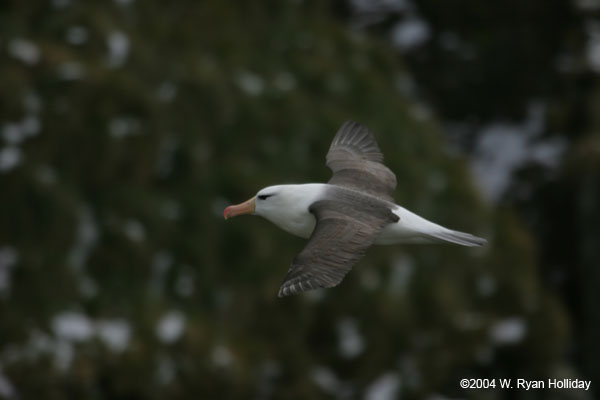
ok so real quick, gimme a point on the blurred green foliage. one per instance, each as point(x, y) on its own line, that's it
point(153, 116)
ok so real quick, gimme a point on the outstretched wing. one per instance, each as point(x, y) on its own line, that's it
point(344, 231)
point(357, 162)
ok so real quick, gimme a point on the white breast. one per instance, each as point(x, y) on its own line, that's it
point(299, 225)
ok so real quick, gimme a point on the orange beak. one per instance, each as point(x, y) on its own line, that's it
point(246, 207)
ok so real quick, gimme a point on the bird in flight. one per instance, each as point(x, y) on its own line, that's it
point(345, 216)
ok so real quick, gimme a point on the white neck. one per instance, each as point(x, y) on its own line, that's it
point(289, 207)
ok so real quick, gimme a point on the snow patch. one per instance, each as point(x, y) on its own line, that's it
point(114, 333)
point(170, 327)
point(250, 83)
point(24, 50)
point(502, 148)
point(16, 133)
point(386, 387)
point(72, 326)
point(10, 157)
point(7, 389)
point(508, 331)
point(12, 133)
point(410, 32)
point(118, 49)
point(326, 379)
point(350, 341)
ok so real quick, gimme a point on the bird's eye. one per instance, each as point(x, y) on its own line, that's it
point(264, 196)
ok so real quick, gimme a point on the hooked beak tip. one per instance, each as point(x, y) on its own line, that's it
point(246, 207)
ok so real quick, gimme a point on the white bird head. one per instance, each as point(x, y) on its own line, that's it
point(280, 204)
point(268, 201)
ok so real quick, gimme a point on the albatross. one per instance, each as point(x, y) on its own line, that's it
point(342, 218)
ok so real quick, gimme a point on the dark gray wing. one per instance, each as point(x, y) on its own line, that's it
point(357, 162)
point(344, 231)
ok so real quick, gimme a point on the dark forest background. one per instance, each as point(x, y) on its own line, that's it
point(127, 126)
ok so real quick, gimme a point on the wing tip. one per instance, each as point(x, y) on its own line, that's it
point(288, 288)
point(355, 134)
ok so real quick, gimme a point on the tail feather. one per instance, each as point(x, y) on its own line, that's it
point(462, 238)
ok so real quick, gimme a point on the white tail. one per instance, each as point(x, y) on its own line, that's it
point(412, 228)
point(462, 238)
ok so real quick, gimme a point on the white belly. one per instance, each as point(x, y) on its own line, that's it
point(301, 225)
point(409, 229)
